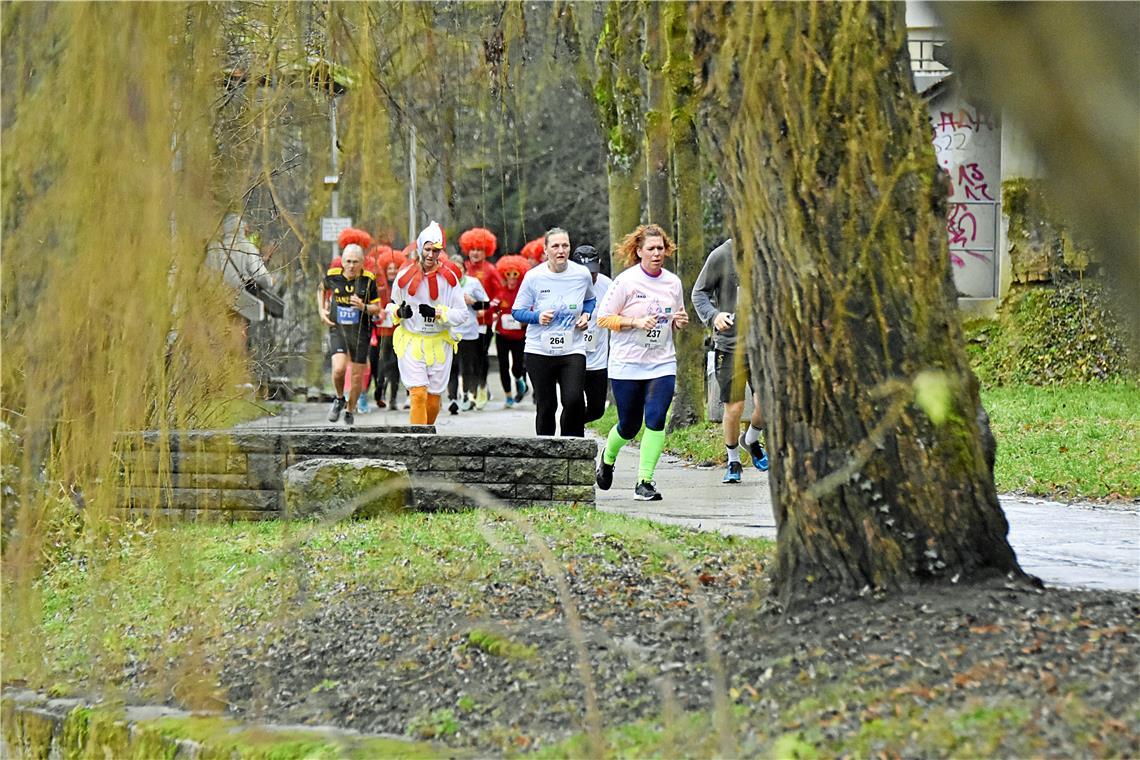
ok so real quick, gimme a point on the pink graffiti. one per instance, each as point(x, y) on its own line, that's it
point(960, 262)
point(957, 221)
point(965, 119)
point(972, 180)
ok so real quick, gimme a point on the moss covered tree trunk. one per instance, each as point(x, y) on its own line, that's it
point(879, 473)
point(658, 197)
point(684, 150)
point(617, 94)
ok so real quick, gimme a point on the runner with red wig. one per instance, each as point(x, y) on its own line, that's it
point(510, 334)
point(478, 245)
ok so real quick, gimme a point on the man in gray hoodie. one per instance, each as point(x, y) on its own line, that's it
point(714, 298)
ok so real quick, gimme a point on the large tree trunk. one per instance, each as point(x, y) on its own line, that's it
point(657, 185)
point(617, 93)
point(879, 475)
point(688, 404)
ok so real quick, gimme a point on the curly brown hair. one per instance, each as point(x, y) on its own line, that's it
point(631, 244)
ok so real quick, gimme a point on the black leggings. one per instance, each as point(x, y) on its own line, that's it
point(467, 365)
point(554, 376)
point(596, 387)
point(512, 361)
point(388, 374)
point(484, 356)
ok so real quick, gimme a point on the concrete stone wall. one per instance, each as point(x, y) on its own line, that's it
point(227, 475)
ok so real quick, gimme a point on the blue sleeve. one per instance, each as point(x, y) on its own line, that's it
point(524, 304)
point(525, 315)
point(589, 305)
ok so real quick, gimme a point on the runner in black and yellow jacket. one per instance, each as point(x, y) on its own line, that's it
point(351, 299)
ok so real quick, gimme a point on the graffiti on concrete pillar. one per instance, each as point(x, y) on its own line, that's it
point(967, 145)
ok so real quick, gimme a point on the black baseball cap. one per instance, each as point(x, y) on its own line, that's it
point(587, 256)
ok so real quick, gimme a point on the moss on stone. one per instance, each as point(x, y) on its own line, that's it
point(1041, 245)
point(100, 732)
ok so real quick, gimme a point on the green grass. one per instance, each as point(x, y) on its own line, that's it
point(1076, 441)
point(1072, 441)
point(702, 443)
point(143, 595)
point(226, 413)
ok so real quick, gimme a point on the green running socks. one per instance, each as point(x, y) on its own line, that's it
point(614, 442)
point(652, 444)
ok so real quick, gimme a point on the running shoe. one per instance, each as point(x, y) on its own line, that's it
point(453, 408)
point(510, 402)
point(337, 408)
point(380, 403)
point(759, 456)
point(481, 398)
point(349, 419)
point(362, 404)
point(733, 473)
point(468, 403)
point(646, 492)
point(520, 388)
point(604, 475)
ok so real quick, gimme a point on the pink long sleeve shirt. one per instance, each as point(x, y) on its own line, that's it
point(643, 354)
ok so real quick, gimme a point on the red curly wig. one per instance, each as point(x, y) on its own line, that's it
point(478, 238)
point(512, 263)
point(350, 235)
point(535, 250)
point(387, 256)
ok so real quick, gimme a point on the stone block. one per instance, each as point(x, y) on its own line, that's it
point(447, 462)
point(449, 476)
point(210, 480)
point(209, 461)
point(581, 472)
point(263, 471)
point(520, 447)
point(246, 499)
point(518, 470)
point(532, 491)
point(575, 493)
point(171, 498)
point(334, 488)
point(505, 490)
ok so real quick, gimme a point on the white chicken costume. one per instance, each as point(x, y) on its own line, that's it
point(427, 306)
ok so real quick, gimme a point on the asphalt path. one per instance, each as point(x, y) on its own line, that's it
point(1078, 545)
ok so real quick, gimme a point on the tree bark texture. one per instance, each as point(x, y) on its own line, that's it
point(657, 180)
point(879, 474)
point(684, 150)
point(617, 93)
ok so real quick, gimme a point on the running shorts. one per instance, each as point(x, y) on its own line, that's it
point(354, 340)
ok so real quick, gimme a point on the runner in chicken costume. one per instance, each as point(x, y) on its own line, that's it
point(427, 304)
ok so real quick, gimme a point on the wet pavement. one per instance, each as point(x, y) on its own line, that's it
point(1083, 545)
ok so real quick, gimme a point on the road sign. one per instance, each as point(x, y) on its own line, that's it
point(332, 225)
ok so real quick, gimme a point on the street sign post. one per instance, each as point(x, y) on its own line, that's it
point(331, 227)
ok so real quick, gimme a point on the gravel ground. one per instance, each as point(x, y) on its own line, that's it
point(994, 669)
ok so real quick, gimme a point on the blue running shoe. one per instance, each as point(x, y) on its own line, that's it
point(520, 388)
point(733, 473)
point(756, 451)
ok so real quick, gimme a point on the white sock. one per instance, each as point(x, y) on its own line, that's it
point(733, 453)
point(752, 435)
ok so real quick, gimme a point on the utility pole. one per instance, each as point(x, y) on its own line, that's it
point(335, 168)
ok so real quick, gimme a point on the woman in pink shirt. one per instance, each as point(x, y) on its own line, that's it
point(641, 309)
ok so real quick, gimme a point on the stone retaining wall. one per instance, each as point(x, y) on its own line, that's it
point(231, 475)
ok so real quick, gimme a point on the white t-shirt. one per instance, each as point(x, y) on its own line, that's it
point(597, 339)
point(472, 329)
point(563, 292)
